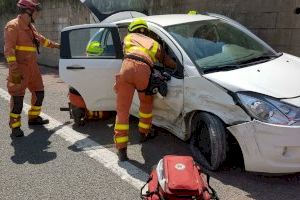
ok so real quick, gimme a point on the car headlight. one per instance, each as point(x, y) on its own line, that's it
point(269, 110)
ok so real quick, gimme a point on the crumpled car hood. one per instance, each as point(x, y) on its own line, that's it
point(279, 78)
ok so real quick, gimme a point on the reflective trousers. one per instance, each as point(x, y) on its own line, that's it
point(133, 75)
point(31, 79)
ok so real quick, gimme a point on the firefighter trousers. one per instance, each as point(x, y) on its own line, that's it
point(134, 75)
point(31, 79)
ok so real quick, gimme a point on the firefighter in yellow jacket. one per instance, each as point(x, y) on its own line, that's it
point(21, 46)
point(141, 52)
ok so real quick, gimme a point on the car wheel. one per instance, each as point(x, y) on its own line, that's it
point(78, 115)
point(208, 141)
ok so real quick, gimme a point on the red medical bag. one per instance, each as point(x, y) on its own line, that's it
point(177, 178)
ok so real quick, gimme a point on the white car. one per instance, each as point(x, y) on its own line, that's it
point(229, 86)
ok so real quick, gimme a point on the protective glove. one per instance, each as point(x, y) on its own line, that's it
point(56, 45)
point(16, 78)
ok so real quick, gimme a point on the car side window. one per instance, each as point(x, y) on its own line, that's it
point(91, 43)
point(123, 31)
point(178, 71)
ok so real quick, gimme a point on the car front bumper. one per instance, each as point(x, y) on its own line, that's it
point(268, 148)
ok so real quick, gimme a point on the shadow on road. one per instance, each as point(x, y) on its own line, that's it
point(156, 148)
point(32, 148)
point(232, 174)
point(98, 131)
point(261, 186)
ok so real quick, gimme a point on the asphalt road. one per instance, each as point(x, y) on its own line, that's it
point(62, 161)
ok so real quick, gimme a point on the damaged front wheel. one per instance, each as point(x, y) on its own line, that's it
point(208, 140)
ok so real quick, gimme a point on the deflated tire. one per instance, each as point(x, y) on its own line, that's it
point(208, 140)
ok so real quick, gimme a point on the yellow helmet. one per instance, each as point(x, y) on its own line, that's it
point(136, 24)
point(94, 49)
point(192, 12)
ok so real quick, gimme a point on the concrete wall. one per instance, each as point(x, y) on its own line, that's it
point(4, 17)
point(55, 16)
point(274, 21)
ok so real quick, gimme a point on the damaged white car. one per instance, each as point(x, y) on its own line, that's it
point(229, 86)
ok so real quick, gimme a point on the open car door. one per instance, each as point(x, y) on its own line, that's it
point(113, 10)
point(167, 111)
point(91, 56)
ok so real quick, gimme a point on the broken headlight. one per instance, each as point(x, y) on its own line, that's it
point(269, 110)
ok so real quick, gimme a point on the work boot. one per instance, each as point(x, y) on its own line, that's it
point(17, 132)
point(122, 154)
point(38, 121)
point(144, 137)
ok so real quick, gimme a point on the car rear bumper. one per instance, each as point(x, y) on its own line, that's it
point(268, 148)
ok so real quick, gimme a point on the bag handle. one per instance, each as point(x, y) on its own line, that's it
point(149, 194)
point(212, 191)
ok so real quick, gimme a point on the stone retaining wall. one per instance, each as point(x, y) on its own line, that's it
point(274, 21)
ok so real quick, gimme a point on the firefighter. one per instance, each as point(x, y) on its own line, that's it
point(21, 47)
point(141, 52)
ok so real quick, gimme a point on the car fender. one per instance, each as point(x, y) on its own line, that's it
point(201, 94)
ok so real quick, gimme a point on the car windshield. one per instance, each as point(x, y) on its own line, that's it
point(214, 45)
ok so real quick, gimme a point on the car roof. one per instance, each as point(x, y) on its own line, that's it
point(169, 20)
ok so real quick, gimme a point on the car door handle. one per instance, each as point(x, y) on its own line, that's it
point(75, 67)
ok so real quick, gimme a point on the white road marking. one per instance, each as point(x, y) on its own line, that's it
point(125, 170)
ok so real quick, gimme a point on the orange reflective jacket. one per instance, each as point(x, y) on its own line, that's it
point(147, 48)
point(19, 46)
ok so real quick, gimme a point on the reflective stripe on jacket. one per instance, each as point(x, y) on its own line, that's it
point(18, 38)
point(141, 45)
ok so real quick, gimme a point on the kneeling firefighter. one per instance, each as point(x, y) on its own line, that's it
point(21, 46)
point(141, 52)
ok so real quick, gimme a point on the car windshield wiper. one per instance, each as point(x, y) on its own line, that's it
point(228, 67)
point(223, 68)
point(262, 58)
